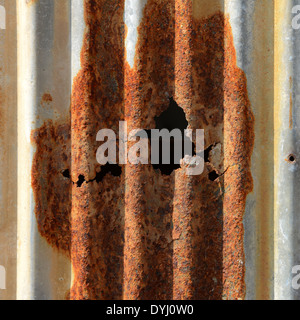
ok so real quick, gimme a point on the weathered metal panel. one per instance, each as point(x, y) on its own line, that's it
point(253, 30)
point(286, 151)
point(71, 228)
point(44, 82)
point(8, 150)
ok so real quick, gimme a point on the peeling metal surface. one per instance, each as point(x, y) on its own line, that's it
point(87, 231)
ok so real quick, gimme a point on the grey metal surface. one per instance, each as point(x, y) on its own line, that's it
point(287, 252)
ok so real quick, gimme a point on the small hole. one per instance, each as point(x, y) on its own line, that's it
point(66, 174)
point(213, 176)
point(207, 152)
point(291, 158)
point(80, 181)
point(114, 169)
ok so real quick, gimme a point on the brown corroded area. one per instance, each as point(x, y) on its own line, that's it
point(47, 98)
point(144, 235)
point(97, 229)
point(148, 267)
point(238, 147)
point(52, 190)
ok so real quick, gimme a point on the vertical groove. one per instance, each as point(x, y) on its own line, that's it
point(135, 209)
point(183, 263)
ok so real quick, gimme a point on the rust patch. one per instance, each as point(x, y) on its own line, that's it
point(238, 147)
point(195, 63)
point(145, 235)
point(52, 191)
point(46, 98)
point(148, 270)
point(97, 208)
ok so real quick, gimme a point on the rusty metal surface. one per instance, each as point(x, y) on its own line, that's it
point(81, 230)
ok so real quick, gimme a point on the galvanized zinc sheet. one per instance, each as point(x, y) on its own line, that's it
point(71, 228)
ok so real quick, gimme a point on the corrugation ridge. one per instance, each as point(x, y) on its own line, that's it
point(148, 207)
point(97, 208)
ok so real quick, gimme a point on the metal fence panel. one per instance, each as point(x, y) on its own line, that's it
point(71, 228)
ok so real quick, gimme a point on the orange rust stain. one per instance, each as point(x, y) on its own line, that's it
point(47, 98)
point(149, 198)
point(214, 267)
point(123, 239)
point(97, 208)
point(52, 191)
point(238, 147)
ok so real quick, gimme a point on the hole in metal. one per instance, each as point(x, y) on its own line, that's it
point(66, 174)
point(172, 118)
point(213, 176)
point(291, 158)
point(114, 169)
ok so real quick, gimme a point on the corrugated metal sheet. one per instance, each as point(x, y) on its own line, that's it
point(71, 228)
